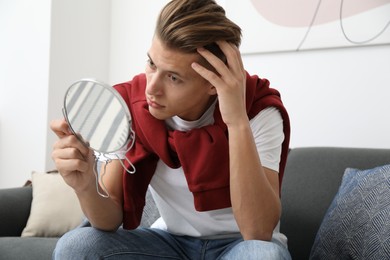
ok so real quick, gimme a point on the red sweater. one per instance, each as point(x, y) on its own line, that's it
point(201, 152)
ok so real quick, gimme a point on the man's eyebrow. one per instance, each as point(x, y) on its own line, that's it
point(149, 56)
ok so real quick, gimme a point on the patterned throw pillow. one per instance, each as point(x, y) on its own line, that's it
point(357, 223)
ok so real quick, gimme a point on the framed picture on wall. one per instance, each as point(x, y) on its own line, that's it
point(285, 25)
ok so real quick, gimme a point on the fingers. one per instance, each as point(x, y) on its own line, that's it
point(73, 146)
point(70, 155)
point(69, 166)
point(70, 149)
point(210, 76)
point(60, 127)
point(67, 139)
point(232, 74)
point(233, 56)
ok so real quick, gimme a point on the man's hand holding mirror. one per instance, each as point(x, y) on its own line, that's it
point(97, 126)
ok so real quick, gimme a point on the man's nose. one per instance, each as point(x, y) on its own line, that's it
point(154, 86)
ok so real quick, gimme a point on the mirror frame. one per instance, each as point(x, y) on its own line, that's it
point(117, 96)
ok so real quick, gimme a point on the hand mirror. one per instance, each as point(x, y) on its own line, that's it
point(98, 116)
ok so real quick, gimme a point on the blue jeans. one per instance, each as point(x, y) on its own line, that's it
point(147, 243)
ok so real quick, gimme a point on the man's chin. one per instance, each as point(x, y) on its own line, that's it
point(158, 115)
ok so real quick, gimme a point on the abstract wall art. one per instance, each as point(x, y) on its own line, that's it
point(285, 25)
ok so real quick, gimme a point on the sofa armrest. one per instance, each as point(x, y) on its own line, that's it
point(15, 205)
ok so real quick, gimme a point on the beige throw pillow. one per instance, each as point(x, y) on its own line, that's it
point(55, 208)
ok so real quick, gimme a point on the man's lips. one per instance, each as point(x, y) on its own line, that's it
point(153, 104)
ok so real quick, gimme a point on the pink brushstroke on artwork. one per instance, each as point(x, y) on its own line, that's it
point(299, 13)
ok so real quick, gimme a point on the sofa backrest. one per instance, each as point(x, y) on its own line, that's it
point(15, 210)
point(311, 180)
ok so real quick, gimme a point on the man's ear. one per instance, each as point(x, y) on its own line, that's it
point(212, 90)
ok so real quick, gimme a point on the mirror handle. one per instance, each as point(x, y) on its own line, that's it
point(99, 178)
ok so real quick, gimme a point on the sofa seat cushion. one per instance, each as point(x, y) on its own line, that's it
point(23, 248)
point(357, 223)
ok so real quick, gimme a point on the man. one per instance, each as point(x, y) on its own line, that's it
point(211, 144)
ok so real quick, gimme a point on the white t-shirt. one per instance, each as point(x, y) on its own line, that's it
point(176, 203)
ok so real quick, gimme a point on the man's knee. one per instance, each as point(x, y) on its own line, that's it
point(257, 249)
point(77, 244)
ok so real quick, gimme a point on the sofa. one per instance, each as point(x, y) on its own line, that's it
point(311, 181)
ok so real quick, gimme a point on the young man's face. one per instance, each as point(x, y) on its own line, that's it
point(173, 87)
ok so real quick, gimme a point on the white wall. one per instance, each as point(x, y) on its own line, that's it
point(24, 74)
point(45, 46)
point(132, 27)
point(80, 42)
point(336, 97)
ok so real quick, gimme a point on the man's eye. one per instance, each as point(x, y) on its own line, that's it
point(174, 78)
point(150, 63)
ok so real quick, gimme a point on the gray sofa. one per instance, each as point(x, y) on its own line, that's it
point(311, 180)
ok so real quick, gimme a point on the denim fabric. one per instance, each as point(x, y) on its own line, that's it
point(147, 243)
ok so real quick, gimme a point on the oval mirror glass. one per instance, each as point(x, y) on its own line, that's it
point(98, 116)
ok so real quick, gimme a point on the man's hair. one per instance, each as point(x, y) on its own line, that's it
point(186, 25)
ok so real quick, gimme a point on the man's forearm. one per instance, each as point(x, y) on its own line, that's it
point(255, 203)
